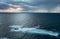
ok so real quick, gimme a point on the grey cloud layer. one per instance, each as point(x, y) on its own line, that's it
point(32, 4)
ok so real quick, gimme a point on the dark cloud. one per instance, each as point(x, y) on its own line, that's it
point(4, 6)
point(35, 4)
point(31, 4)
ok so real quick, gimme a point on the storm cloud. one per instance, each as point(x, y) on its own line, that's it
point(4, 6)
point(32, 5)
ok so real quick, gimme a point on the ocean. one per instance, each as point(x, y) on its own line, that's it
point(45, 21)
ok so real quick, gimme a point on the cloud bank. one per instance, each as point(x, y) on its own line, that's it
point(30, 5)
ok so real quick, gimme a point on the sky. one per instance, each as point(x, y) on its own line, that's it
point(29, 5)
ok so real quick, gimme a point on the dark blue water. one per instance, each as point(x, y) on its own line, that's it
point(47, 21)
